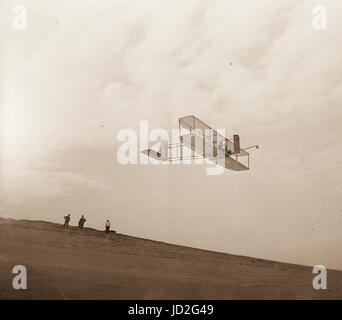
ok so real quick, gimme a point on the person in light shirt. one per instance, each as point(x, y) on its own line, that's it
point(107, 226)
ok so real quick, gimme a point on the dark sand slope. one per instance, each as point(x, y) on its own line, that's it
point(71, 264)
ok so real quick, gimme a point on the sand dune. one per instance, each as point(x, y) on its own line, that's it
point(74, 264)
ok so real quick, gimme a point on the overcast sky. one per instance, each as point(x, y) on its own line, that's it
point(83, 70)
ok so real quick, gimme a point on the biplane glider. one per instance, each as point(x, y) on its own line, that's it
point(203, 141)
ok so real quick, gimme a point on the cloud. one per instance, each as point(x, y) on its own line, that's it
point(48, 180)
point(256, 68)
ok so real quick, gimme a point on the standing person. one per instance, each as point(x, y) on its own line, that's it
point(81, 222)
point(107, 226)
point(66, 221)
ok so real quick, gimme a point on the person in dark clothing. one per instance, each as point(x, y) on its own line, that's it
point(81, 222)
point(66, 221)
point(228, 152)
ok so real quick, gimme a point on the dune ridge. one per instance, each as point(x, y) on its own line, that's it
point(87, 264)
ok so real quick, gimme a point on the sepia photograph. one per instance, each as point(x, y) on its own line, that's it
point(170, 150)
